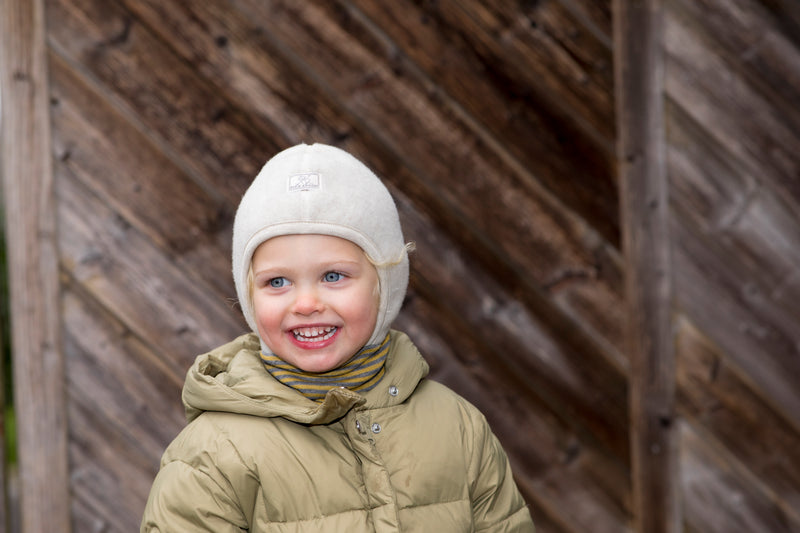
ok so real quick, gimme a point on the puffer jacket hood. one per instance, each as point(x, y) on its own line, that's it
point(230, 379)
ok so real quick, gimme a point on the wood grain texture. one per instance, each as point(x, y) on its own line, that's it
point(717, 397)
point(720, 495)
point(117, 432)
point(737, 209)
point(732, 137)
point(647, 245)
point(744, 85)
point(31, 241)
point(555, 152)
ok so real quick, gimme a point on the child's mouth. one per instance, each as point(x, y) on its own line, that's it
point(315, 334)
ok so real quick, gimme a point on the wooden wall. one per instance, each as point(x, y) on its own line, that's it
point(732, 108)
point(494, 124)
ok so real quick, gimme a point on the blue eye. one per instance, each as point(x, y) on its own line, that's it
point(332, 277)
point(277, 283)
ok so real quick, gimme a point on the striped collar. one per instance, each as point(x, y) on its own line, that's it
point(359, 374)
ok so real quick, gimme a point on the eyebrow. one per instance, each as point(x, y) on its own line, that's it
point(322, 265)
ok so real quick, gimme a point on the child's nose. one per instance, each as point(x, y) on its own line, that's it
point(307, 302)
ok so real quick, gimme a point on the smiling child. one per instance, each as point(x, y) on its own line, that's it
point(315, 300)
point(322, 418)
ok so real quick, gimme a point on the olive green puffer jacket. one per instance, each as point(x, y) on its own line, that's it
point(409, 455)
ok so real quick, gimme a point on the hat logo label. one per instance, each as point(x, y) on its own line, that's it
point(305, 182)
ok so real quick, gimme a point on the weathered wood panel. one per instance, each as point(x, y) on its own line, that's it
point(718, 493)
point(733, 142)
point(115, 467)
point(742, 185)
point(639, 72)
point(491, 85)
point(32, 268)
point(717, 398)
point(751, 238)
point(160, 93)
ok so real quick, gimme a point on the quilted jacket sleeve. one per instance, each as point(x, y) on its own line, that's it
point(168, 508)
point(497, 505)
point(203, 485)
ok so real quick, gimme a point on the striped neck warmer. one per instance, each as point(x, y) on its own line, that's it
point(360, 374)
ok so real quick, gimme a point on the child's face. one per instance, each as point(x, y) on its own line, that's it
point(315, 299)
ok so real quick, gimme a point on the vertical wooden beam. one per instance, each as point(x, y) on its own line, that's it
point(25, 156)
point(639, 100)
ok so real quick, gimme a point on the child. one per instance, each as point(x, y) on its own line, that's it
point(322, 419)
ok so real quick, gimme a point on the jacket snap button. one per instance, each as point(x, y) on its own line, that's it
point(393, 390)
point(376, 428)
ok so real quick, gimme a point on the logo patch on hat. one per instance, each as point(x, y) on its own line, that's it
point(305, 182)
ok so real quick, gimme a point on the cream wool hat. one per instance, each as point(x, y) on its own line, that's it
point(320, 189)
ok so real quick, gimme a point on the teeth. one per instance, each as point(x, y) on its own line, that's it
point(314, 334)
